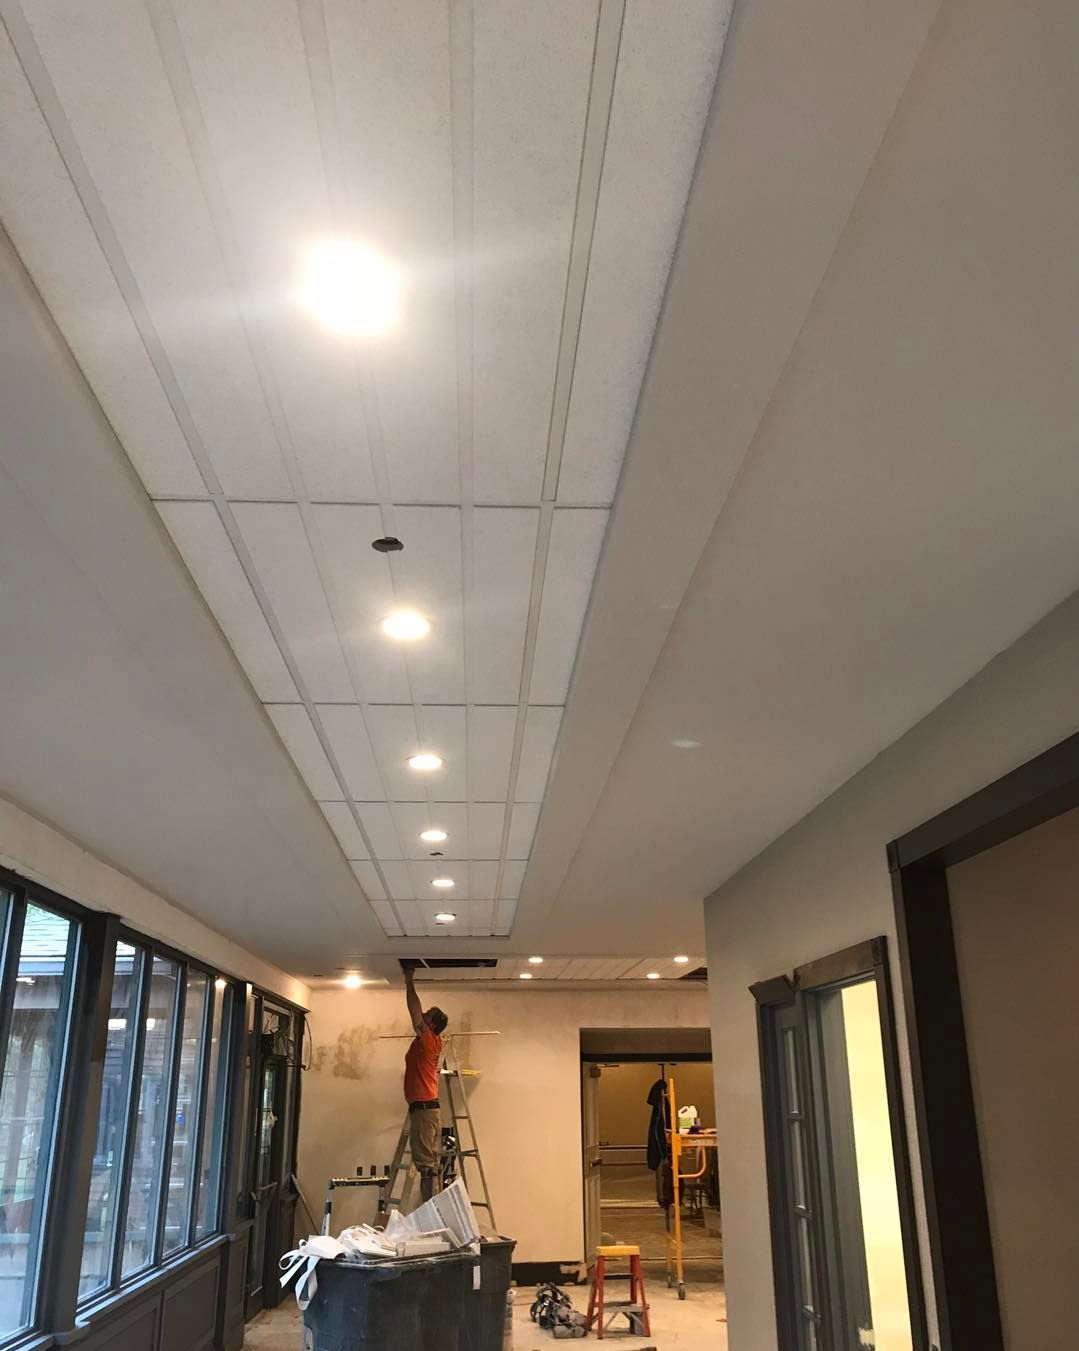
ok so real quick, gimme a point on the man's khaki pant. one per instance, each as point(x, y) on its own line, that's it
point(425, 1142)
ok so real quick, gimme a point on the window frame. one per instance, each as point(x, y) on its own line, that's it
point(798, 992)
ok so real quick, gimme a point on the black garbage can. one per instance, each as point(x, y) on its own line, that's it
point(485, 1307)
point(417, 1304)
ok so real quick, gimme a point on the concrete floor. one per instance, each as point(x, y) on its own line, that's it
point(699, 1323)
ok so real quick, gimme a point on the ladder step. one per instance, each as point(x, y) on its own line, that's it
point(622, 1306)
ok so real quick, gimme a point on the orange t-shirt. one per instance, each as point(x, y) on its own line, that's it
point(421, 1067)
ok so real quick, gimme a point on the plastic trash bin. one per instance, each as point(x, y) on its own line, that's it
point(418, 1304)
point(485, 1307)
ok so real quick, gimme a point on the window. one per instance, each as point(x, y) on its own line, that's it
point(40, 948)
point(843, 1249)
point(212, 1129)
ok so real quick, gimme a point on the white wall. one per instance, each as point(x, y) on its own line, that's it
point(41, 853)
point(825, 885)
point(526, 1103)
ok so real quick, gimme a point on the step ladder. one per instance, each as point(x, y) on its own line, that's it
point(402, 1173)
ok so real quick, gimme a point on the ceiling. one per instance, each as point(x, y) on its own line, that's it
point(686, 576)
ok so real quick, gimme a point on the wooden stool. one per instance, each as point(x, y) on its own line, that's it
point(635, 1308)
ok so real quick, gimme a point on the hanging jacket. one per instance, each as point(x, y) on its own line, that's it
point(658, 1144)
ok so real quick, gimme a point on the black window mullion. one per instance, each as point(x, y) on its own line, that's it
point(134, 1083)
point(212, 995)
point(179, 1003)
point(12, 952)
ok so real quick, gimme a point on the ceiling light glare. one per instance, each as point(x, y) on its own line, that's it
point(221, 984)
point(652, 975)
point(406, 626)
point(350, 288)
point(352, 982)
point(686, 743)
point(525, 975)
point(425, 762)
point(443, 883)
point(536, 961)
point(445, 917)
point(433, 836)
point(682, 961)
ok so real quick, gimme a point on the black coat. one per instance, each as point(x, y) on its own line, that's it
point(658, 1144)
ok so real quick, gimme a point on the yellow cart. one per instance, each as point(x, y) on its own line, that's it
point(681, 1144)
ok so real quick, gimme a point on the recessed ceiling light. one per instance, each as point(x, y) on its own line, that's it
point(536, 961)
point(352, 982)
point(682, 961)
point(433, 836)
point(686, 743)
point(406, 625)
point(350, 288)
point(443, 883)
point(525, 975)
point(444, 917)
point(652, 975)
point(425, 762)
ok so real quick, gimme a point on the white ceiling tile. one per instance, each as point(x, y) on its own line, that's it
point(522, 829)
point(484, 876)
point(296, 731)
point(394, 739)
point(490, 750)
point(378, 821)
point(137, 153)
point(513, 873)
point(576, 540)
point(251, 56)
point(197, 532)
point(452, 817)
point(368, 878)
point(362, 588)
point(348, 739)
point(344, 826)
point(46, 221)
point(423, 873)
point(503, 550)
point(275, 535)
point(505, 914)
point(485, 821)
point(399, 880)
point(385, 916)
point(667, 63)
point(391, 85)
point(413, 918)
point(537, 751)
point(443, 731)
point(482, 917)
point(427, 576)
point(532, 66)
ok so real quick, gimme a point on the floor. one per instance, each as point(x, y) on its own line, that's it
point(699, 1323)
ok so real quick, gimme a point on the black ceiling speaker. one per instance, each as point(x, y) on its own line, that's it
point(388, 544)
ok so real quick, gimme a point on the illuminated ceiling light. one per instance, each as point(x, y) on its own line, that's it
point(433, 836)
point(425, 762)
point(117, 1024)
point(349, 288)
point(24, 980)
point(151, 1023)
point(406, 625)
point(445, 917)
point(525, 975)
point(443, 883)
point(221, 983)
point(686, 743)
point(652, 975)
point(682, 961)
point(352, 982)
point(536, 961)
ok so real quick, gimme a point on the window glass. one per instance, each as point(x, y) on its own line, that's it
point(112, 1123)
point(213, 1118)
point(29, 1093)
point(151, 1124)
point(186, 1117)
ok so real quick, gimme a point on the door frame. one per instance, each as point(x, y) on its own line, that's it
point(953, 1181)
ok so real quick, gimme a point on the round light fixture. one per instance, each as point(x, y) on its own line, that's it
point(352, 982)
point(443, 883)
point(350, 288)
point(652, 975)
point(536, 961)
point(525, 975)
point(425, 762)
point(445, 917)
point(433, 836)
point(406, 626)
point(682, 961)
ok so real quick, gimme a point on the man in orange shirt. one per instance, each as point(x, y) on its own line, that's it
point(422, 1063)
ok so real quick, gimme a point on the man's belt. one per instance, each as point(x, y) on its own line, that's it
point(424, 1106)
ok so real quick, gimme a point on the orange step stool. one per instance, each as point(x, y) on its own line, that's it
point(635, 1308)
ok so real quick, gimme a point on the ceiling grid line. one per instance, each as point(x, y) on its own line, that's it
point(607, 44)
